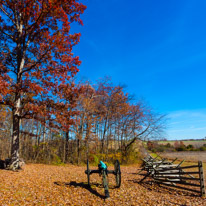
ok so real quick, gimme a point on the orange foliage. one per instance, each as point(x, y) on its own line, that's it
point(67, 185)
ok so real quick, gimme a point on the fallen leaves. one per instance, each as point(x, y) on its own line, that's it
point(67, 185)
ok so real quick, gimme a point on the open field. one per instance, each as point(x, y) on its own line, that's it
point(195, 143)
point(187, 155)
point(66, 185)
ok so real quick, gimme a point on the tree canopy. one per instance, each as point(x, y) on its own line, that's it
point(36, 58)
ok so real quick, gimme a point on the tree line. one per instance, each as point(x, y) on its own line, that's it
point(46, 115)
point(102, 122)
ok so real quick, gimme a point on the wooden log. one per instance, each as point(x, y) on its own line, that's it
point(180, 173)
point(173, 160)
point(180, 163)
point(159, 170)
point(187, 167)
point(202, 186)
point(192, 166)
point(169, 174)
point(174, 177)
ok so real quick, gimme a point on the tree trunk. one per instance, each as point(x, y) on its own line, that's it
point(78, 151)
point(44, 133)
point(66, 153)
point(15, 138)
point(104, 133)
point(14, 164)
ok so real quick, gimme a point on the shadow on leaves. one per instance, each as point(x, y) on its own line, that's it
point(152, 186)
point(82, 185)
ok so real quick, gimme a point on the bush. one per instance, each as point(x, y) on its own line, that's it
point(160, 148)
point(202, 148)
point(95, 158)
point(168, 145)
point(57, 160)
point(154, 150)
point(181, 148)
point(131, 155)
point(190, 147)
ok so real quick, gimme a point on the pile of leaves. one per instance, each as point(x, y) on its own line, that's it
point(39, 184)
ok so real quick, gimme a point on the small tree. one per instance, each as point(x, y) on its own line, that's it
point(190, 147)
point(176, 144)
point(150, 145)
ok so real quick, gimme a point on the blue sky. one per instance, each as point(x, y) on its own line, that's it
point(157, 48)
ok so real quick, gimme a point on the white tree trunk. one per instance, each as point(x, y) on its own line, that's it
point(14, 164)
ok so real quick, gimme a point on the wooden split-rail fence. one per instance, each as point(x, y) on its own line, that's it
point(168, 173)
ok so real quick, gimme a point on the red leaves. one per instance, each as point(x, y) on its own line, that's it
point(44, 59)
point(4, 87)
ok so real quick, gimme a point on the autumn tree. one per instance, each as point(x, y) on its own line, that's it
point(66, 111)
point(35, 57)
point(85, 121)
point(110, 101)
point(176, 144)
point(144, 124)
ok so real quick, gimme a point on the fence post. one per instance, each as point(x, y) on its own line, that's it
point(202, 186)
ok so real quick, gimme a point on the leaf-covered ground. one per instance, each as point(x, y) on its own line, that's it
point(67, 185)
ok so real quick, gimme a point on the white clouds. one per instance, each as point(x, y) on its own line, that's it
point(187, 124)
point(188, 114)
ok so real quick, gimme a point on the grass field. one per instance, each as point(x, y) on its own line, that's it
point(67, 185)
point(195, 143)
point(186, 155)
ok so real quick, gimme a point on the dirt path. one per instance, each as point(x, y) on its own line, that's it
point(66, 185)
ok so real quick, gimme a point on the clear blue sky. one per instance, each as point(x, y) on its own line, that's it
point(157, 48)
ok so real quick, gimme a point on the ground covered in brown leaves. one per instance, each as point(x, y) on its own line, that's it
point(67, 185)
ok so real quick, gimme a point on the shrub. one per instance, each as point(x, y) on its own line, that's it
point(161, 148)
point(202, 148)
point(57, 160)
point(168, 145)
point(181, 148)
point(190, 147)
point(154, 150)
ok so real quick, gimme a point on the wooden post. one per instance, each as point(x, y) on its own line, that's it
point(202, 186)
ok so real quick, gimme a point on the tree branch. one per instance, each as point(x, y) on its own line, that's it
point(136, 137)
point(7, 14)
point(8, 35)
point(37, 62)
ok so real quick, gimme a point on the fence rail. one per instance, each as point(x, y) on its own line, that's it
point(167, 173)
